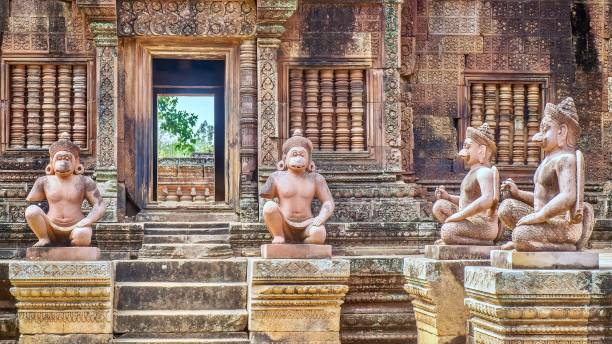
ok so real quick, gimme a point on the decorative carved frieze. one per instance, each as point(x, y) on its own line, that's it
point(62, 297)
point(296, 299)
point(573, 306)
point(226, 18)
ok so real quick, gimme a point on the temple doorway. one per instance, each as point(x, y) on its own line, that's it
point(189, 131)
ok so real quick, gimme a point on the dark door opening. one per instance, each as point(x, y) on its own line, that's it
point(189, 129)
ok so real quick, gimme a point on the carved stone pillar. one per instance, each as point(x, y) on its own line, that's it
point(392, 160)
point(102, 18)
point(271, 17)
point(248, 131)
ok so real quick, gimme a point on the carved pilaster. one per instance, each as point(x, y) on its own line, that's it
point(102, 18)
point(271, 17)
point(391, 82)
point(48, 107)
point(248, 130)
point(18, 88)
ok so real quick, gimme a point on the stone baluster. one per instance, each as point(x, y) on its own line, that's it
point(504, 143)
point(533, 120)
point(33, 106)
point(48, 85)
point(312, 106)
point(327, 110)
point(18, 87)
point(357, 110)
point(296, 107)
point(343, 129)
point(490, 103)
point(518, 147)
point(79, 105)
point(64, 106)
point(172, 195)
point(476, 105)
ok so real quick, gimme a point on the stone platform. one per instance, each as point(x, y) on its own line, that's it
point(509, 306)
point(61, 300)
point(296, 251)
point(544, 260)
point(296, 300)
point(63, 253)
point(437, 288)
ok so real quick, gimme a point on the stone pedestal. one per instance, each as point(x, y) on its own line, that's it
point(509, 306)
point(437, 288)
point(296, 251)
point(63, 253)
point(296, 300)
point(63, 302)
point(544, 260)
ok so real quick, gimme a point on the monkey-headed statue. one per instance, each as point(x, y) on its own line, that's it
point(470, 218)
point(64, 187)
point(296, 184)
point(554, 217)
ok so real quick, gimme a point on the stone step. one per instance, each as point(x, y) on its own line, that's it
point(172, 295)
point(181, 270)
point(186, 239)
point(196, 214)
point(185, 251)
point(185, 231)
point(177, 321)
point(189, 225)
point(180, 338)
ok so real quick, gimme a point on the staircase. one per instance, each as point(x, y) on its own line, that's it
point(181, 301)
point(185, 240)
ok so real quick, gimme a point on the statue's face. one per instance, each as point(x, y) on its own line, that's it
point(548, 136)
point(472, 152)
point(297, 159)
point(64, 163)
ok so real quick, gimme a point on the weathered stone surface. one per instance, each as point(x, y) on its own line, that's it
point(454, 252)
point(185, 296)
point(63, 253)
point(376, 308)
point(184, 270)
point(438, 290)
point(297, 295)
point(184, 338)
point(295, 337)
point(8, 311)
point(63, 297)
point(177, 321)
point(573, 306)
point(296, 251)
point(66, 339)
point(544, 260)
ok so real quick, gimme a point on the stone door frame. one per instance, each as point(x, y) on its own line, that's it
point(138, 98)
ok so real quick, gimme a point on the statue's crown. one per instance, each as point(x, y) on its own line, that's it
point(297, 140)
point(64, 144)
point(483, 135)
point(564, 113)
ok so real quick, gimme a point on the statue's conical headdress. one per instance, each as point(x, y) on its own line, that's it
point(483, 135)
point(64, 144)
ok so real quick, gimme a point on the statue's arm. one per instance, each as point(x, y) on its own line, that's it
point(268, 191)
point(98, 207)
point(453, 199)
point(482, 203)
point(326, 199)
point(524, 196)
point(38, 190)
point(565, 199)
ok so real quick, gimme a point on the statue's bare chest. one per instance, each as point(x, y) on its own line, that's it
point(69, 190)
point(296, 187)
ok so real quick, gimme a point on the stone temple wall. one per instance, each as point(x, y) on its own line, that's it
point(445, 42)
